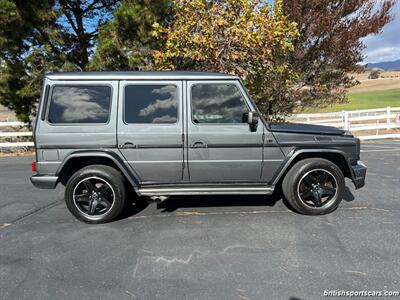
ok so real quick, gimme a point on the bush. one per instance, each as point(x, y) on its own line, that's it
point(375, 74)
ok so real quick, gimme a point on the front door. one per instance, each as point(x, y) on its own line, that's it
point(221, 145)
point(150, 129)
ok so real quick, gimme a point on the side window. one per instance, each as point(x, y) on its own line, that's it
point(151, 104)
point(217, 103)
point(79, 104)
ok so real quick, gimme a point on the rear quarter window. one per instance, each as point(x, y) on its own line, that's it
point(79, 104)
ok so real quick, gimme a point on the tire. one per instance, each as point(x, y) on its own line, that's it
point(96, 194)
point(314, 186)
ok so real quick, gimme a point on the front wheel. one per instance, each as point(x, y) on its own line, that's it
point(314, 186)
point(96, 194)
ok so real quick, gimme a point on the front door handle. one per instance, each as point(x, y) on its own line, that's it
point(198, 145)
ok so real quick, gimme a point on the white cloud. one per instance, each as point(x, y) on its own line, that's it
point(170, 100)
point(384, 54)
point(78, 104)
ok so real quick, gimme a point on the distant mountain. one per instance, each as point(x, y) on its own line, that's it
point(386, 65)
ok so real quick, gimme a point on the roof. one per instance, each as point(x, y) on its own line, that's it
point(138, 75)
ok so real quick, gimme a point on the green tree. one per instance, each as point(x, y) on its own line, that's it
point(125, 43)
point(375, 74)
point(242, 37)
point(41, 36)
point(330, 45)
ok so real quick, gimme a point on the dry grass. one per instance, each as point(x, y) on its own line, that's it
point(18, 152)
point(6, 114)
point(389, 80)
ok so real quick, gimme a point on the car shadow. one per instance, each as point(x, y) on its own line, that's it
point(177, 202)
point(348, 195)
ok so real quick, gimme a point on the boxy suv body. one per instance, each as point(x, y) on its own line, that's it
point(179, 133)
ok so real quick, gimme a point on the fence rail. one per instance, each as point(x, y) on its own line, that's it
point(356, 121)
point(17, 134)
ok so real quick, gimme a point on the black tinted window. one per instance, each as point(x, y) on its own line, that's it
point(80, 104)
point(151, 104)
point(217, 103)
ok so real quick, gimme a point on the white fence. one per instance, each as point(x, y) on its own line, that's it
point(357, 121)
point(14, 134)
point(379, 121)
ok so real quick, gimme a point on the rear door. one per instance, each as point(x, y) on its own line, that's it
point(150, 129)
point(221, 146)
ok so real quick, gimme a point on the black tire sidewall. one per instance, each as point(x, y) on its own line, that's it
point(113, 177)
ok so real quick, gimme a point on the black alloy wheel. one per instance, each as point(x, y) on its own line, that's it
point(94, 197)
point(317, 188)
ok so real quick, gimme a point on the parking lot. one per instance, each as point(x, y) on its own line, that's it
point(225, 247)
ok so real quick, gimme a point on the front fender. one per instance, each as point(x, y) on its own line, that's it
point(297, 152)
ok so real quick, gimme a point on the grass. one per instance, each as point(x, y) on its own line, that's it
point(366, 100)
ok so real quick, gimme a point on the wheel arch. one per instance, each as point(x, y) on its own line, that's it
point(81, 159)
point(335, 156)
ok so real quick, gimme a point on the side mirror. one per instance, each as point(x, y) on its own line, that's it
point(251, 118)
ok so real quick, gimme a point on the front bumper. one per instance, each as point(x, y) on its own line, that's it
point(44, 181)
point(359, 172)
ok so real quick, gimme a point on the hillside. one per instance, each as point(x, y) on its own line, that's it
point(385, 65)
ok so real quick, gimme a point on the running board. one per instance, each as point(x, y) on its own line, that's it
point(206, 191)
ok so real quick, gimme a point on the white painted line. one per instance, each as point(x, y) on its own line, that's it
point(378, 146)
point(381, 150)
point(4, 225)
point(379, 137)
point(382, 143)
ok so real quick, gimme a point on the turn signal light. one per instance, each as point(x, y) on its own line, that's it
point(33, 166)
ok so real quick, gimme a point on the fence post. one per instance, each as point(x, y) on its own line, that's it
point(377, 127)
point(346, 124)
point(388, 111)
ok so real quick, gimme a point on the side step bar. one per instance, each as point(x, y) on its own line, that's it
point(260, 190)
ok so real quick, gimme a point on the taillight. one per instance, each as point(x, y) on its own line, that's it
point(33, 166)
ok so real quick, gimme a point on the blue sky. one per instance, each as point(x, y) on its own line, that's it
point(385, 47)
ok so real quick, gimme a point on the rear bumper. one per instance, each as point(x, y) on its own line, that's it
point(359, 173)
point(44, 181)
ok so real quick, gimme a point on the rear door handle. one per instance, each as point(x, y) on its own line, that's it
point(198, 145)
point(128, 145)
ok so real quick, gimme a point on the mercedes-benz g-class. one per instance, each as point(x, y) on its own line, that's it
point(179, 133)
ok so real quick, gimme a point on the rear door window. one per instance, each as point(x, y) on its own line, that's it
point(149, 104)
point(80, 104)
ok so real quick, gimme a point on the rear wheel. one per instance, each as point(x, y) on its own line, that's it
point(96, 194)
point(314, 186)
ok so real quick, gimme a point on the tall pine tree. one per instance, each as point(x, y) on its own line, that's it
point(126, 42)
point(40, 36)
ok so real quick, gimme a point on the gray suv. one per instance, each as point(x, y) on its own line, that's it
point(179, 133)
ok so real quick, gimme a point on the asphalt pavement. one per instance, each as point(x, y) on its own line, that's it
point(221, 247)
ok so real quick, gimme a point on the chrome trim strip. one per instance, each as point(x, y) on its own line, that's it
point(200, 161)
point(205, 191)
